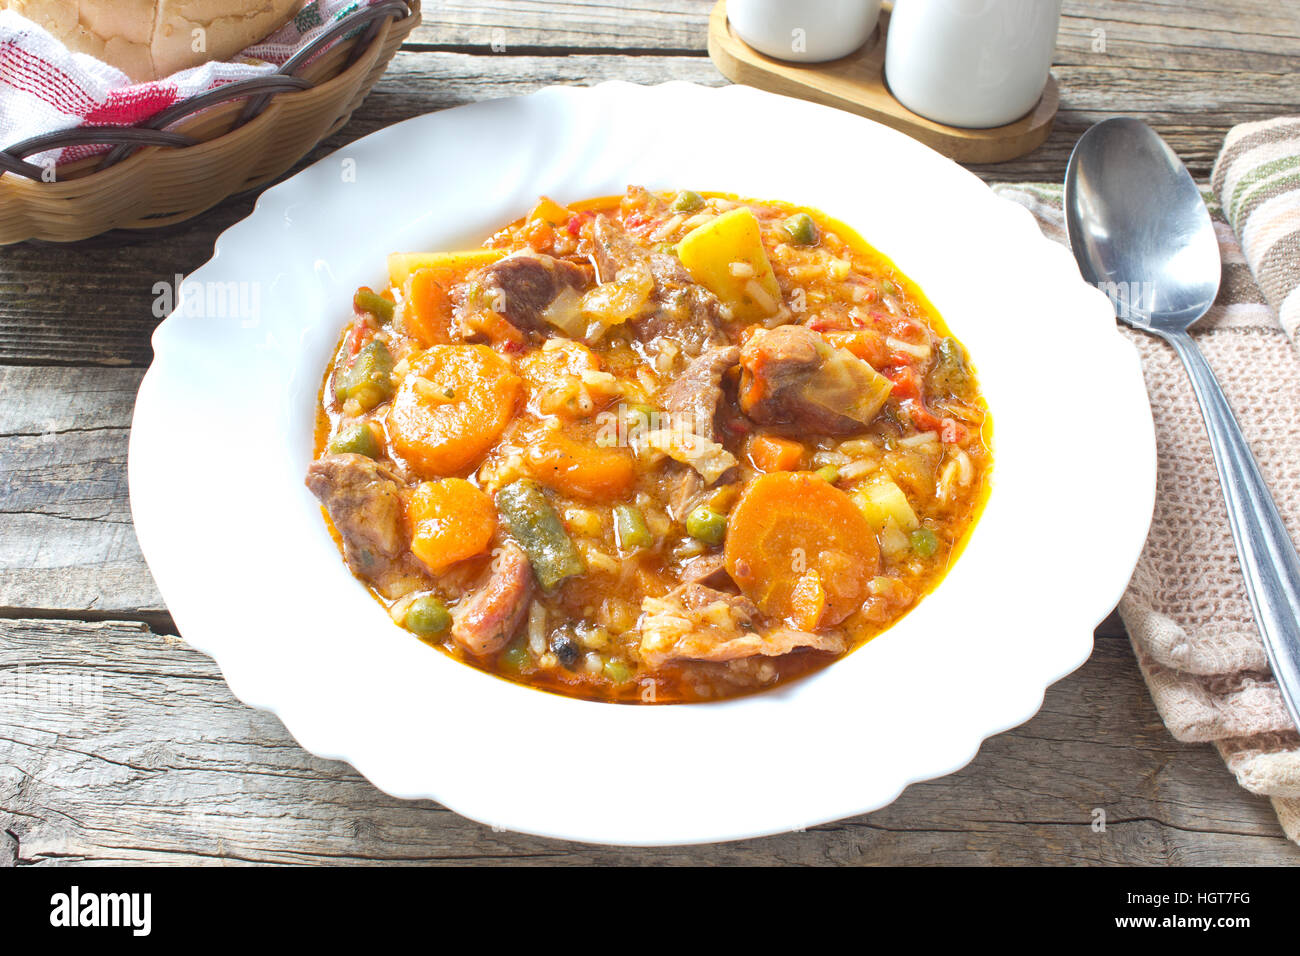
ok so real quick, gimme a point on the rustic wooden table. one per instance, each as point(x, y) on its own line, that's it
point(118, 743)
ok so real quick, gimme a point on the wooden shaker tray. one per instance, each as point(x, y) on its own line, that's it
point(857, 83)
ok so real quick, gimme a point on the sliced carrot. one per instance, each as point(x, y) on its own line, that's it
point(788, 523)
point(451, 520)
point(770, 453)
point(808, 601)
point(427, 313)
point(580, 469)
point(451, 407)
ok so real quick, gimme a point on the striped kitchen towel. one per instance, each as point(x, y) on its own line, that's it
point(1185, 609)
point(1257, 179)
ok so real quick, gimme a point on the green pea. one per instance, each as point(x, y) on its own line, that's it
point(369, 377)
point(687, 201)
point(828, 473)
point(705, 524)
point(924, 542)
point(367, 301)
point(617, 671)
point(801, 229)
point(427, 615)
point(357, 439)
point(630, 526)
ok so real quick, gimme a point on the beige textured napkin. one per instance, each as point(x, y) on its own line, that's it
point(1185, 609)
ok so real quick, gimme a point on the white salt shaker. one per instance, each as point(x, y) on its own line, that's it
point(970, 63)
point(806, 31)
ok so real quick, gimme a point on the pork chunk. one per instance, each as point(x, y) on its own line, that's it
point(364, 500)
point(790, 375)
point(694, 396)
point(679, 308)
point(485, 620)
point(525, 284)
point(699, 623)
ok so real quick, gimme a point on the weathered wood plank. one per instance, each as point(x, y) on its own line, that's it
point(118, 745)
point(1152, 28)
point(503, 26)
point(66, 542)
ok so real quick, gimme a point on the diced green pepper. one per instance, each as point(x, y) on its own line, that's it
point(355, 439)
point(427, 615)
point(617, 671)
point(538, 529)
point(801, 229)
point(951, 374)
point(687, 201)
point(705, 524)
point(369, 377)
point(924, 542)
point(888, 288)
point(514, 659)
point(828, 473)
point(630, 527)
point(368, 301)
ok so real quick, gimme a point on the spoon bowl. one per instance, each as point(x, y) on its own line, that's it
point(1139, 228)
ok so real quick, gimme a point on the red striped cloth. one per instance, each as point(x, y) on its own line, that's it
point(44, 87)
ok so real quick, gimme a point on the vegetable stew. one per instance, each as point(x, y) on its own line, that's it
point(663, 447)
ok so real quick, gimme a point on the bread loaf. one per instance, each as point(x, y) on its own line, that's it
point(150, 39)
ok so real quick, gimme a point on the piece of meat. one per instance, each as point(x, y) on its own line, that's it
point(707, 569)
point(686, 489)
point(364, 500)
point(790, 375)
point(706, 456)
point(679, 308)
point(692, 399)
point(485, 620)
point(523, 285)
point(699, 623)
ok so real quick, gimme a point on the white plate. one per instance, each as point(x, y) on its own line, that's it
point(223, 434)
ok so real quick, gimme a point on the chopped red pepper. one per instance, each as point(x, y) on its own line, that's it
point(358, 336)
point(574, 225)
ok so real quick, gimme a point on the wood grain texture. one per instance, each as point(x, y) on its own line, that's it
point(123, 746)
point(67, 547)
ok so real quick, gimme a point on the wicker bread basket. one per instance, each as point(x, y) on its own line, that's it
point(177, 164)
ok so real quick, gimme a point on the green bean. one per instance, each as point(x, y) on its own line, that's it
point(427, 615)
point(705, 524)
point(538, 529)
point(924, 542)
point(801, 229)
point(630, 527)
point(367, 301)
point(369, 378)
point(356, 439)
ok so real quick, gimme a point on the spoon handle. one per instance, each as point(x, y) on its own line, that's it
point(1269, 562)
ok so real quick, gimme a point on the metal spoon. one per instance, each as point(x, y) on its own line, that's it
point(1140, 232)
